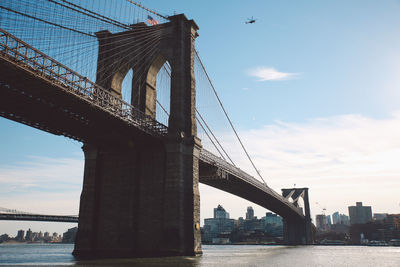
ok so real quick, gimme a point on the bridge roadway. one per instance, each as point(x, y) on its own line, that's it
point(38, 91)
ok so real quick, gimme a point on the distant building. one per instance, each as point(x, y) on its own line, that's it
point(219, 212)
point(392, 228)
point(273, 224)
point(340, 228)
point(69, 236)
point(273, 219)
point(393, 221)
point(4, 238)
point(344, 219)
point(35, 236)
point(239, 223)
point(360, 214)
point(250, 213)
point(29, 235)
point(328, 220)
point(20, 235)
point(322, 224)
point(379, 217)
point(338, 218)
point(219, 226)
point(253, 225)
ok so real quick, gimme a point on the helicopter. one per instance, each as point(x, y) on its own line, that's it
point(251, 21)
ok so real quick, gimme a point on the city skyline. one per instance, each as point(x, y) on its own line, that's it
point(312, 87)
point(35, 225)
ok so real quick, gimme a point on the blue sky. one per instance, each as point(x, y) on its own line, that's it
point(312, 86)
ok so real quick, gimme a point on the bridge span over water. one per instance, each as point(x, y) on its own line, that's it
point(140, 192)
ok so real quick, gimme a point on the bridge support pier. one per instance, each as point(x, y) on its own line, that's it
point(298, 232)
point(181, 224)
point(121, 202)
point(140, 195)
point(295, 233)
point(140, 201)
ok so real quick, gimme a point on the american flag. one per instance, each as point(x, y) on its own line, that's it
point(151, 21)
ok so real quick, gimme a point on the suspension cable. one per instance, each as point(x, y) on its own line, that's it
point(201, 125)
point(229, 120)
point(48, 22)
point(91, 14)
point(149, 10)
point(205, 123)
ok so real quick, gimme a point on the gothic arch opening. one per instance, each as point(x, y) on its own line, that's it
point(158, 91)
point(119, 79)
point(163, 94)
point(126, 87)
point(300, 203)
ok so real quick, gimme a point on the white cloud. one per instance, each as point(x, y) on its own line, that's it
point(43, 185)
point(342, 159)
point(269, 74)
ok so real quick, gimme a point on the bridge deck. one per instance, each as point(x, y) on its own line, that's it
point(57, 87)
point(218, 173)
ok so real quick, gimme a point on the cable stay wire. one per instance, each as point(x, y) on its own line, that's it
point(229, 120)
point(209, 129)
point(201, 125)
point(216, 139)
point(92, 14)
point(156, 36)
point(48, 22)
point(63, 15)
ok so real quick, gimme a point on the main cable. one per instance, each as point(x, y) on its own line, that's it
point(229, 120)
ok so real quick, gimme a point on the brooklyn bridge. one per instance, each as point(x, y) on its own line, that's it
point(62, 68)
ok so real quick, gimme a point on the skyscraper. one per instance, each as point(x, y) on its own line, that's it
point(321, 222)
point(336, 218)
point(29, 235)
point(328, 220)
point(20, 235)
point(219, 212)
point(344, 219)
point(220, 224)
point(250, 213)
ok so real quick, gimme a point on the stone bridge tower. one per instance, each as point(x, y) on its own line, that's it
point(140, 195)
point(298, 232)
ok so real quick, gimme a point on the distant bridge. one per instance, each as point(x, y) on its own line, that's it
point(39, 218)
point(14, 215)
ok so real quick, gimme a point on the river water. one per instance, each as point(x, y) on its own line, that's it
point(224, 255)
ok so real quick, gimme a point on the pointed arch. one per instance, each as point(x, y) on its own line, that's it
point(126, 87)
point(150, 94)
point(117, 79)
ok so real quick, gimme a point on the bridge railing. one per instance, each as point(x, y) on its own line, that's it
point(50, 69)
point(214, 160)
